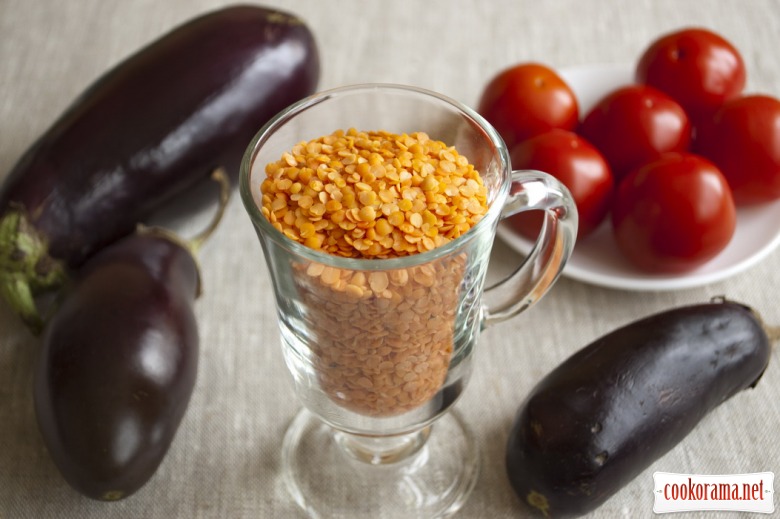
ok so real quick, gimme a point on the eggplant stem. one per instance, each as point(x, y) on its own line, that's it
point(220, 176)
point(773, 332)
point(194, 244)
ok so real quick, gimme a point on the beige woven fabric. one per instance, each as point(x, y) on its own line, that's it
point(225, 459)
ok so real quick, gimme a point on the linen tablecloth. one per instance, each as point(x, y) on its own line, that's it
point(224, 461)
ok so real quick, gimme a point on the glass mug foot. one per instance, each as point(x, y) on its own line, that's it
point(426, 474)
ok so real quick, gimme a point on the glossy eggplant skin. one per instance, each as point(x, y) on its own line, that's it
point(150, 128)
point(118, 366)
point(610, 410)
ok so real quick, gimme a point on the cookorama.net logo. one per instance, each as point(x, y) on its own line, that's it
point(726, 492)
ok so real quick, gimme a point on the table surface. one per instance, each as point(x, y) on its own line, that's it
point(224, 461)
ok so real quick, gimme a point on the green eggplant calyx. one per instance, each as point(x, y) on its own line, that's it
point(26, 269)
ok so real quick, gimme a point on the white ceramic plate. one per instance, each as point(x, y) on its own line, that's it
point(597, 260)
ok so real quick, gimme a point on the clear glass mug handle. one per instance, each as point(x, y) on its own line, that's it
point(534, 190)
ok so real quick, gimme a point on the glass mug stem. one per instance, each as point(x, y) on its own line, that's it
point(382, 450)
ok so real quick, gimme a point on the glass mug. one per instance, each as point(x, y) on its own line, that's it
point(380, 349)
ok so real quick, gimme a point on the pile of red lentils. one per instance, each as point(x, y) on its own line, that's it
point(373, 194)
point(384, 338)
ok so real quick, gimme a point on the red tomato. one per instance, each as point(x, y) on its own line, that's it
point(527, 100)
point(743, 140)
point(634, 125)
point(578, 165)
point(696, 67)
point(673, 214)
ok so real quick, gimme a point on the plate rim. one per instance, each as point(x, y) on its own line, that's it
point(647, 283)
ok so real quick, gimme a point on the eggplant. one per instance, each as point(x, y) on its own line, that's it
point(611, 409)
point(149, 129)
point(119, 362)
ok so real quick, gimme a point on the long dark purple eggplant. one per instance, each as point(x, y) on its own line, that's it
point(119, 362)
point(147, 130)
point(600, 418)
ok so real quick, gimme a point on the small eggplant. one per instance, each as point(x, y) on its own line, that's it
point(119, 363)
point(150, 128)
point(610, 410)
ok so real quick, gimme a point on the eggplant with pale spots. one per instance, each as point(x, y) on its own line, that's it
point(610, 410)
